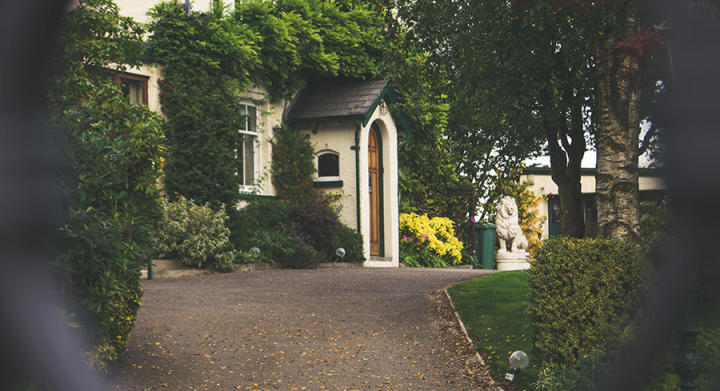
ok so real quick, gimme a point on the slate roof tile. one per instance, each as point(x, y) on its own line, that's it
point(335, 99)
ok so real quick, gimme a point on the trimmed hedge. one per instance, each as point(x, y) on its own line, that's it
point(583, 292)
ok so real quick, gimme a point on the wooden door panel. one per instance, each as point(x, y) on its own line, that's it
point(374, 193)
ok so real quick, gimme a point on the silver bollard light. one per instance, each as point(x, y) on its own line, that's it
point(340, 252)
point(518, 361)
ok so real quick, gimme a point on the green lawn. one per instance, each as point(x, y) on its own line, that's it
point(493, 310)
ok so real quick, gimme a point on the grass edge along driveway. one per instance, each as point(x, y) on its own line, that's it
point(493, 310)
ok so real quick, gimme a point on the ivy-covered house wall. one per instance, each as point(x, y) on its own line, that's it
point(262, 59)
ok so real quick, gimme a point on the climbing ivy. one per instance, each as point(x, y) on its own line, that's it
point(209, 60)
point(205, 61)
point(299, 38)
point(293, 166)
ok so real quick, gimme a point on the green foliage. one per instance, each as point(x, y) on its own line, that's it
point(293, 166)
point(318, 222)
point(289, 238)
point(428, 242)
point(258, 215)
point(582, 294)
point(466, 134)
point(113, 152)
point(493, 308)
point(353, 243)
point(429, 182)
point(656, 220)
point(708, 349)
point(205, 63)
point(288, 246)
point(194, 233)
point(592, 373)
point(301, 37)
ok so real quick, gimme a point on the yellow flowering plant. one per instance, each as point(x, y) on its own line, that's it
point(428, 242)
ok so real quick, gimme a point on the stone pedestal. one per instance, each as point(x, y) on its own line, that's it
point(516, 260)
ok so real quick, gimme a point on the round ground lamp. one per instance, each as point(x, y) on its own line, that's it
point(518, 361)
point(255, 252)
point(340, 252)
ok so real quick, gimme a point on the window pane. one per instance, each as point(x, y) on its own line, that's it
point(239, 156)
point(249, 160)
point(252, 118)
point(328, 165)
point(133, 91)
point(243, 111)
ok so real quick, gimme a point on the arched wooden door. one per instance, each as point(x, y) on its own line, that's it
point(375, 192)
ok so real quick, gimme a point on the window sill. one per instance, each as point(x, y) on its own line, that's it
point(328, 184)
point(249, 196)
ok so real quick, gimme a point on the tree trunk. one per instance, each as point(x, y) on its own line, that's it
point(617, 139)
point(565, 167)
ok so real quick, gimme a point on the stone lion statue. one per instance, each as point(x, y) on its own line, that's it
point(509, 233)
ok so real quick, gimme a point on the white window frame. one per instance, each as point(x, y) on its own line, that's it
point(317, 166)
point(258, 150)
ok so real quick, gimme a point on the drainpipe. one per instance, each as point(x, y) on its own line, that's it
point(357, 171)
point(397, 165)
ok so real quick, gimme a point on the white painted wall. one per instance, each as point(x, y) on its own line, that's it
point(544, 185)
point(137, 9)
point(339, 136)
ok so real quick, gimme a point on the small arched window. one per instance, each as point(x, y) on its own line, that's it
point(328, 166)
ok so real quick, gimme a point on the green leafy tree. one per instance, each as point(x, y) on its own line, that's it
point(456, 153)
point(113, 152)
point(527, 70)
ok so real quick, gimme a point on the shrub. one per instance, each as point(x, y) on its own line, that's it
point(113, 152)
point(353, 243)
point(415, 253)
point(194, 233)
point(287, 246)
point(293, 166)
point(258, 215)
point(429, 242)
point(655, 223)
point(708, 349)
point(582, 294)
point(319, 225)
point(592, 373)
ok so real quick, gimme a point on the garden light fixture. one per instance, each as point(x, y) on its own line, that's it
point(340, 252)
point(255, 252)
point(518, 361)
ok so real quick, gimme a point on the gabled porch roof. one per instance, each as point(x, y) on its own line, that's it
point(336, 99)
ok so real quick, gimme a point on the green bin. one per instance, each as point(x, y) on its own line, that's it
point(485, 245)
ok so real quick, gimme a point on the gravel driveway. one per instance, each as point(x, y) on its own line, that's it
point(325, 329)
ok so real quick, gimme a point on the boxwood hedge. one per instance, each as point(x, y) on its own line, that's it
point(582, 294)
